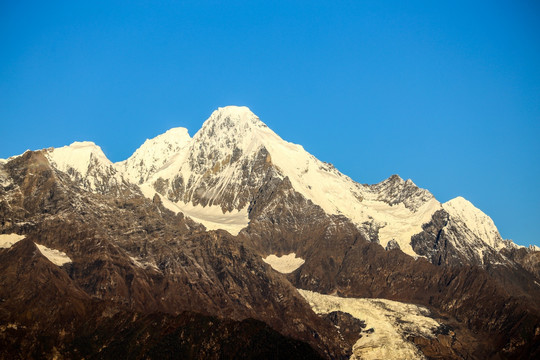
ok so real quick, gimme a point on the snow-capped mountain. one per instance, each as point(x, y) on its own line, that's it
point(214, 176)
point(112, 257)
point(480, 225)
point(235, 153)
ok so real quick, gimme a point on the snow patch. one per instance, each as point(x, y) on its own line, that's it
point(143, 264)
point(392, 322)
point(8, 240)
point(285, 264)
point(212, 217)
point(57, 257)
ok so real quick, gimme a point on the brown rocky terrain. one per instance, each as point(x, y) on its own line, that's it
point(44, 314)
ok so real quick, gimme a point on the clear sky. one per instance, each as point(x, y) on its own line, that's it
point(444, 93)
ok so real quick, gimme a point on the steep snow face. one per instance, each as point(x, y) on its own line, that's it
point(392, 322)
point(480, 225)
point(285, 264)
point(234, 153)
point(87, 165)
point(154, 154)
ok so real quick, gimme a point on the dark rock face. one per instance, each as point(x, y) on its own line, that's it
point(433, 244)
point(393, 245)
point(528, 258)
point(444, 242)
point(349, 327)
point(65, 322)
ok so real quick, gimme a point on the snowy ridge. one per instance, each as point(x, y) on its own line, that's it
point(154, 154)
point(213, 177)
point(77, 157)
point(392, 321)
point(4, 161)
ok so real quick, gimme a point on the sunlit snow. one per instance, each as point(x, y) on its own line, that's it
point(154, 154)
point(285, 264)
point(392, 322)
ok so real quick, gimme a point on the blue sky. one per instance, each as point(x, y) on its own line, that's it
point(444, 93)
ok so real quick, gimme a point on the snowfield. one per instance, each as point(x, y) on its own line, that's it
point(392, 322)
point(8, 240)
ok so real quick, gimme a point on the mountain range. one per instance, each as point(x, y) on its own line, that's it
point(236, 243)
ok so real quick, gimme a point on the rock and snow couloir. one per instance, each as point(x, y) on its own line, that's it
point(214, 176)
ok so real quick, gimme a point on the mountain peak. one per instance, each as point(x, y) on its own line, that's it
point(154, 154)
point(234, 112)
point(235, 119)
point(77, 156)
point(477, 221)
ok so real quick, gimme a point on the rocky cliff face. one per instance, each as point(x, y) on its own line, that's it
point(143, 269)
